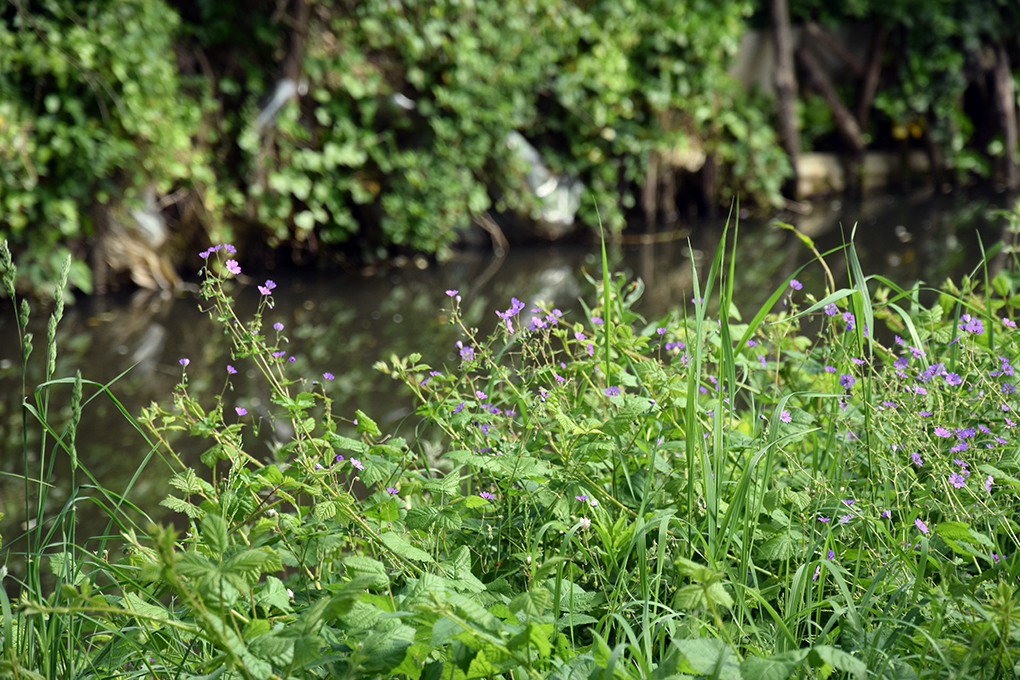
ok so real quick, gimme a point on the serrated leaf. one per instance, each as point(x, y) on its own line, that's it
point(373, 570)
point(531, 602)
point(277, 650)
point(273, 594)
point(180, 505)
point(399, 545)
point(533, 636)
point(214, 534)
point(366, 424)
point(421, 518)
point(346, 443)
point(448, 485)
point(779, 547)
point(186, 482)
point(838, 659)
point(448, 519)
point(777, 667)
point(710, 657)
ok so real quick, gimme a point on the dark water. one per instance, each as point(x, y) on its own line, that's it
point(344, 324)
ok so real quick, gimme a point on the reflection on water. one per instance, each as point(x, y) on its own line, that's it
point(343, 325)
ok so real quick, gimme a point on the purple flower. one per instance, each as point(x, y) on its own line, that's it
point(328, 376)
point(971, 325)
point(268, 288)
point(278, 326)
point(988, 484)
point(466, 353)
point(458, 408)
point(848, 317)
point(830, 369)
point(229, 248)
point(831, 555)
point(818, 570)
point(795, 284)
point(847, 381)
point(241, 411)
point(391, 491)
point(559, 378)
point(233, 267)
point(660, 331)
point(1009, 323)
point(824, 519)
point(291, 359)
point(942, 432)
point(962, 446)
point(612, 391)
point(231, 370)
point(921, 525)
point(597, 321)
point(886, 514)
point(486, 495)
point(953, 379)
point(338, 458)
point(845, 519)
point(916, 458)
point(582, 497)
point(277, 355)
point(831, 309)
point(184, 362)
point(785, 416)
point(205, 254)
point(357, 463)
point(453, 292)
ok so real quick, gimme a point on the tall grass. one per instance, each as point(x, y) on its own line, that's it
point(605, 496)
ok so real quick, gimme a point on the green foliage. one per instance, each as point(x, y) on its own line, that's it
point(91, 111)
point(594, 496)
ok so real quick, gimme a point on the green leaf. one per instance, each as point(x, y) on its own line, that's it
point(180, 505)
point(346, 443)
point(214, 534)
point(710, 657)
point(448, 485)
point(366, 424)
point(399, 545)
point(533, 636)
point(273, 594)
point(838, 659)
point(777, 667)
point(421, 518)
point(531, 602)
point(367, 567)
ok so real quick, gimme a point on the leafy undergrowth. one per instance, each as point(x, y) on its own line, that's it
point(602, 497)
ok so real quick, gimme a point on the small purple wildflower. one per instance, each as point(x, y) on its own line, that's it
point(279, 354)
point(818, 570)
point(957, 480)
point(231, 370)
point(795, 284)
point(886, 514)
point(824, 520)
point(921, 525)
point(831, 309)
point(942, 432)
point(847, 381)
point(612, 391)
point(845, 519)
point(453, 292)
point(831, 555)
point(1009, 323)
point(487, 496)
point(229, 248)
point(291, 359)
point(241, 411)
point(481, 395)
point(357, 463)
point(582, 497)
point(458, 408)
point(391, 491)
point(785, 416)
point(328, 376)
point(184, 362)
point(268, 288)
point(971, 324)
point(660, 331)
point(278, 326)
point(233, 267)
point(597, 321)
point(988, 484)
point(916, 458)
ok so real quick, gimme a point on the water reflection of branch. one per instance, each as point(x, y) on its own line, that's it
point(500, 246)
point(494, 264)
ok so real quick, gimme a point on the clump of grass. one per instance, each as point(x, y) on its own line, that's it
point(608, 495)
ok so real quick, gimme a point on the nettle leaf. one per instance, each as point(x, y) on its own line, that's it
point(534, 636)
point(273, 594)
point(448, 485)
point(448, 519)
point(838, 659)
point(421, 518)
point(531, 602)
point(188, 482)
point(275, 649)
point(180, 505)
point(399, 545)
point(777, 667)
point(697, 596)
point(249, 564)
point(346, 443)
point(366, 424)
point(367, 567)
point(708, 656)
point(196, 566)
point(779, 547)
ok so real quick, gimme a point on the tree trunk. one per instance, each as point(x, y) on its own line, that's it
point(1006, 104)
point(845, 121)
point(871, 75)
point(786, 86)
point(649, 193)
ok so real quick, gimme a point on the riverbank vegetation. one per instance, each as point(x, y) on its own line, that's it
point(827, 487)
point(133, 133)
